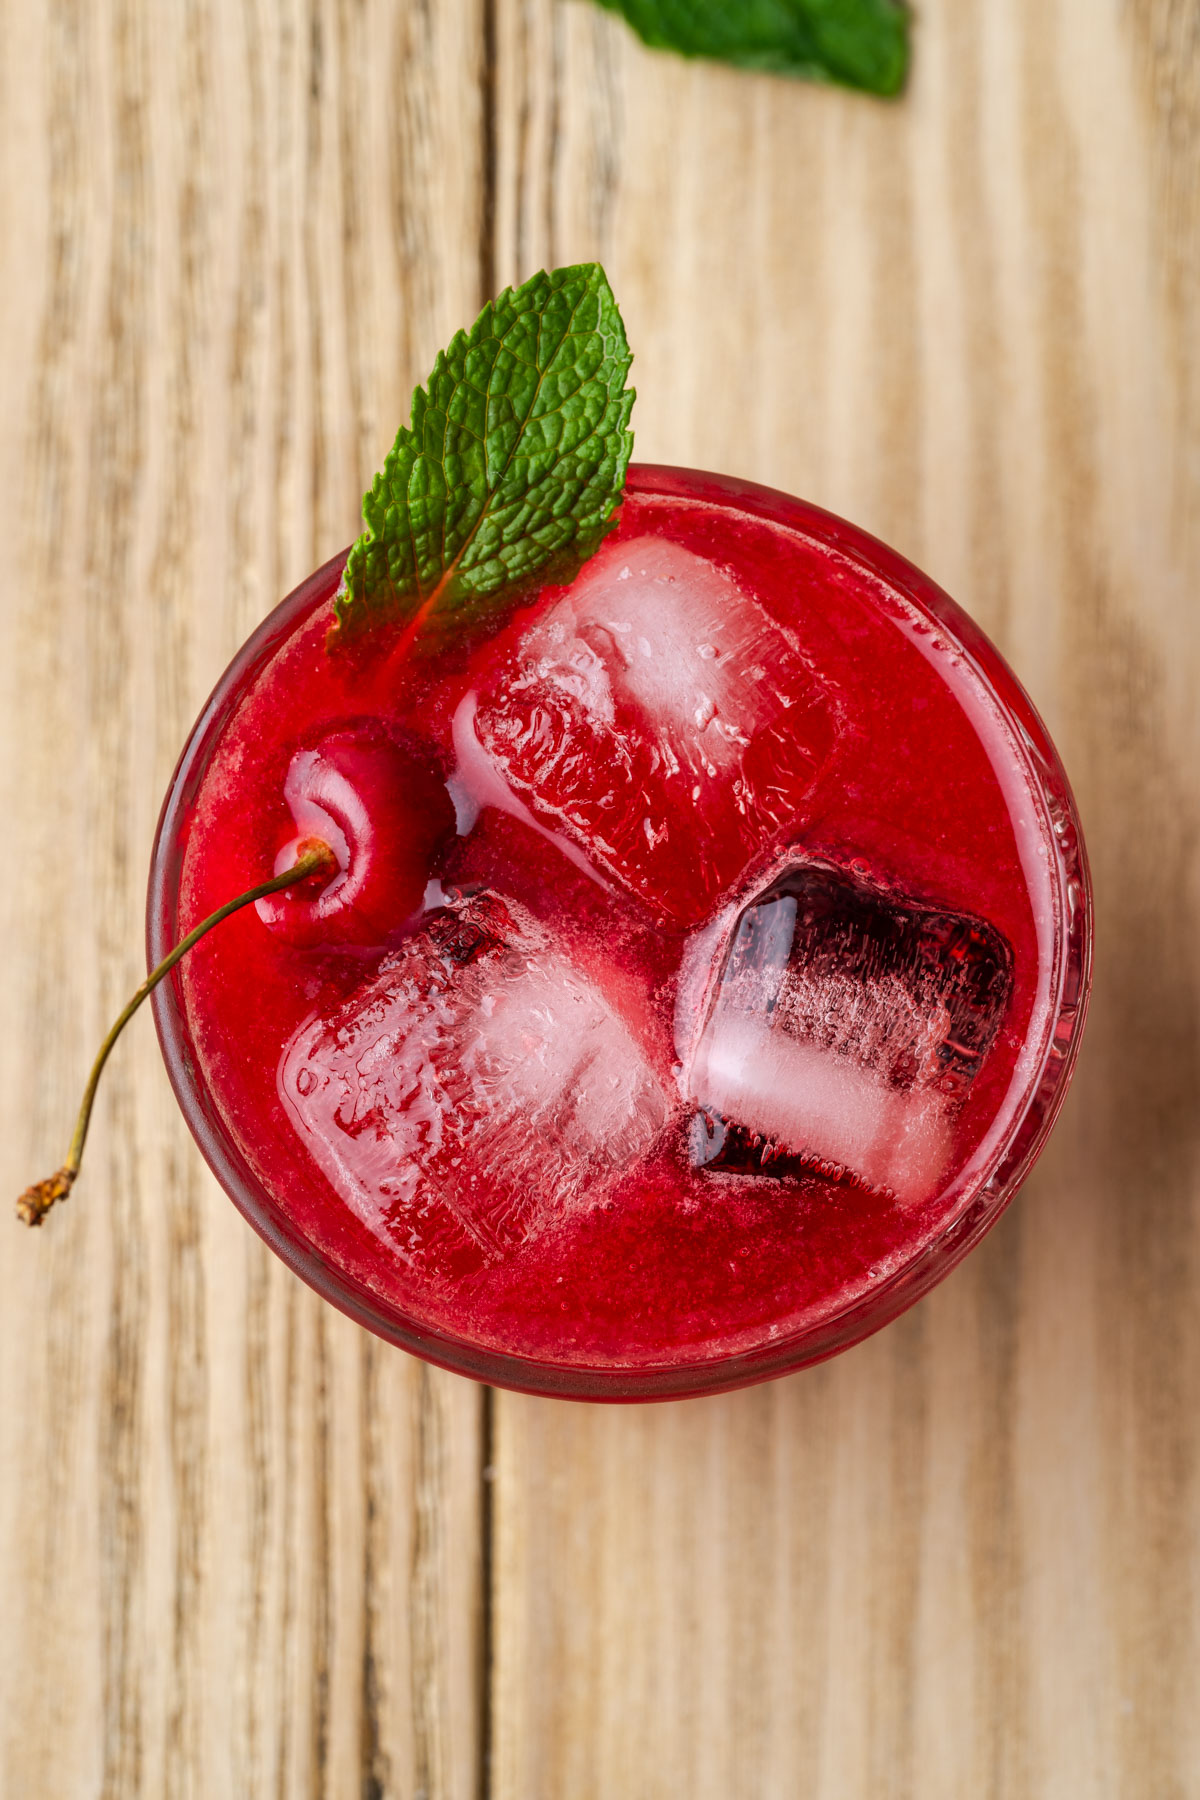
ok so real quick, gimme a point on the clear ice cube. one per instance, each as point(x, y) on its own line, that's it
point(476, 1091)
point(843, 1034)
point(662, 720)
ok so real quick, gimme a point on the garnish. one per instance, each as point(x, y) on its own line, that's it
point(314, 859)
point(510, 472)
point(508, 478)
point(857, 43)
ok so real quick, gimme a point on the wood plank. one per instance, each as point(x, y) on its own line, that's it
point(961, 1559)
point(239, 1540)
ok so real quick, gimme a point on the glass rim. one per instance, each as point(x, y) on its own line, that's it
point(986, 1193)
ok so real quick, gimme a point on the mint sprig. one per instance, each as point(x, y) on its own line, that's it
point(858, 43)
point(512, 467)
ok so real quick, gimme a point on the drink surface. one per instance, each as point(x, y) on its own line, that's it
point(735, 974)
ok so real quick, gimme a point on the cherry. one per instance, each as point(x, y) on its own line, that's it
point(383, 812)
point(369, 819)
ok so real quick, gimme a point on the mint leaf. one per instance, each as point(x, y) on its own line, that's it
point(512, 467)
point(859, 43)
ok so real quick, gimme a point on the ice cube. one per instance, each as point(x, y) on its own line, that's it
point(660, 718)
point(844, 1032)
point(475, 1092)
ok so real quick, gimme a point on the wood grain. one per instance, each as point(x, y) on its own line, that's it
point(243, 1548)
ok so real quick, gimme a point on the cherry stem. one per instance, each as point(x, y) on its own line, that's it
point(315, 858)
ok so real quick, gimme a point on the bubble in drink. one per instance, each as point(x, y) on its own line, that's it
point(843, 1035)
point(660, 720)
point(473, 1094)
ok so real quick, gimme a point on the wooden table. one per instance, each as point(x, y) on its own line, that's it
point(245, 1550)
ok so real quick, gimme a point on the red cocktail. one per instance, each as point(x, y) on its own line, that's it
point(703, 973)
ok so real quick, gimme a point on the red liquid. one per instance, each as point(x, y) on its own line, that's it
point(653, 1162)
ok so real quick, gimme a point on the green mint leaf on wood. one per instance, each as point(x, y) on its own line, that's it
point(511, 470)
point(859, 43)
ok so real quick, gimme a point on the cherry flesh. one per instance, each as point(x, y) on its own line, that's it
point(383, 812)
